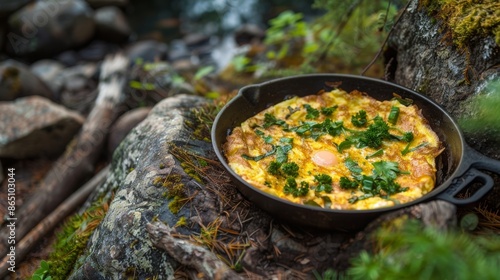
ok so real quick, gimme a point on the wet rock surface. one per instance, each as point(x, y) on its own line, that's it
point(35, 127)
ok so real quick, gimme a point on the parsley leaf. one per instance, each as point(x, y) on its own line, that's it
point(257, 158)
point(375, 133)
point(408, 150)
point(386, 170)
point(324, 183)
point(353, 166)
point(311, 112)
point(291, 169)
point(359, 119)
point(328, 111)
point(347, 184)
point(267, 138)
point(270, 120)
point(291, 188)
point(274, 168)
point(316, 130)
point(282, 153)
point(382, 182)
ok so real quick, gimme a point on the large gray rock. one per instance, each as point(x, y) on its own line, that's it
point(33, 126)
point(45, 28)
point(16, 80)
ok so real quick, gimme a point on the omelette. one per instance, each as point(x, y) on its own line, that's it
point(337, 150)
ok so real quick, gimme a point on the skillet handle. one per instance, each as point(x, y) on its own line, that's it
point(480, 161)
point(460, 183)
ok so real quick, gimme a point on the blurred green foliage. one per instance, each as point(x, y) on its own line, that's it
point(344, 39)
point(415, 252)
point(484, 112)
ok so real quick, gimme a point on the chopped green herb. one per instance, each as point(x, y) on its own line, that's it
point(328, 111)
point(382, 182)
point(347, 184)
point(311, 112)
point(387, 169)
point(270, 120)
point(375, 154)
point(316, 130)
point(375, 134)
point(257, 158)
point(291, 169)
point(403, 101)
point(393, 115)
point(282, 153)
point(324, 183)
point(267, 138)
point(408, 150)
point(359, 119)
point(274, 168)
point(291, 187)
point(353, 166)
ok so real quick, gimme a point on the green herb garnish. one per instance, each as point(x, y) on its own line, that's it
point(393, 115)
point(359, 119)
point(311, 112)
point(291, 187)
point(408, 150)
point(291, 169)
point(324, 183)
point(328, 111)
point(270, 120)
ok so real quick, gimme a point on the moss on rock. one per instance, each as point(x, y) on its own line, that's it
point(467, 19)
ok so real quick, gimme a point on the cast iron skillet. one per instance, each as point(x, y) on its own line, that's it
point(456, 165)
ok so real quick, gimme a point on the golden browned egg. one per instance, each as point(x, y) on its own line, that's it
point(337, 150)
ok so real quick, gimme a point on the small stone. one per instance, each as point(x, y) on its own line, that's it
point(34, 127)
point(111, 24)
point(48, 70)
point(16, 80)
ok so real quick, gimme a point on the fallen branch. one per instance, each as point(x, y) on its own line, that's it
point(78, 162)
point(190, 254)
point(51, 221)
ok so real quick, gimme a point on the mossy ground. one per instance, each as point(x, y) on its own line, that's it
point(72, 239)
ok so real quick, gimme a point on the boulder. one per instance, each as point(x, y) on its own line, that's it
point(16, 80)
point(34, 126)
point(112, 24)
point(48, 70)
point(45, 28)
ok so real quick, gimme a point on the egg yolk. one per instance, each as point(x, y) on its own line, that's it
point(324, 158)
